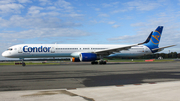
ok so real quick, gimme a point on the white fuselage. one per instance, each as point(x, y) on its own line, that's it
point(69, 50)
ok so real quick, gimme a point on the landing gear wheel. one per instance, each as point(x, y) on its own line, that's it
point(94, 62)
point(102, 62)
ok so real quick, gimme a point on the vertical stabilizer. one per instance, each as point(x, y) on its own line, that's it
point(155, 38)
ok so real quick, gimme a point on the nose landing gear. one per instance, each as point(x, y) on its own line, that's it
point(23, 63)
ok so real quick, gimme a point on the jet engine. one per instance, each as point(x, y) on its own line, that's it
point(88, 57)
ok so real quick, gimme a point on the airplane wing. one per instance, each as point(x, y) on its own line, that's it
point(112, 50)
point(162, 48)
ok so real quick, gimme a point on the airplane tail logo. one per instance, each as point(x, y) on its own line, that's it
point(155, 38)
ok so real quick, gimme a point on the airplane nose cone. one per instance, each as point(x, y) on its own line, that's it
point(7, 54)
point(4, 54)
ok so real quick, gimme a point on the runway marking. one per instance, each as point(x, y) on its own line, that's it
point(53, 92)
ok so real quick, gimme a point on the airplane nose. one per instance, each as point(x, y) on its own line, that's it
point(4, 54)
point(7, 54)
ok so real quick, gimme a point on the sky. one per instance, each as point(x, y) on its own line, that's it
point(88, 22)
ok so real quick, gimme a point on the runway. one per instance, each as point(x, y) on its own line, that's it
point(70, 76)
point(85, 82)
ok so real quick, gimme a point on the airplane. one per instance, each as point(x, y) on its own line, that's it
point(93, 53)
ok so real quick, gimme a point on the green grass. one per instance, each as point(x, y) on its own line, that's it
point(140, 60)
point(115, 60)
point(7, 63)
point(164, 60)
point(28, 63)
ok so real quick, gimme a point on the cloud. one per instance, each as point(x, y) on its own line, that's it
point(103, 15)
point(94, 21)
point(52, 8)
point(111, 22)
point(58, 5)
point(126, 39)
point(110, 4)
point(59, 8)
point(54, 20)
point(119, 10)
point(139, 5)
point(170, 21)
point(105, 22)
point(138, 24)
point(66, 6)
point(45, 32)
point(170, 35)
point(178, 2)
point(34, 10)
point(158, 20)
point(45, 2)
point(138, 37)
point(97, 9)
point(24, 1)
point(142, 5)
point(11, 8)
point(116, 26)
point(49, 22)
point(73, 15)
point(6, 1)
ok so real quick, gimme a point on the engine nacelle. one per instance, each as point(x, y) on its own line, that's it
point(88, 57)
point(73, 59)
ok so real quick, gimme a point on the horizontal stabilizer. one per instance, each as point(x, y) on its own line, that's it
point(160, 49)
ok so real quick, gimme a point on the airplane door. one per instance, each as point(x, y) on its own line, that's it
point(52, 50)
point(20, 50)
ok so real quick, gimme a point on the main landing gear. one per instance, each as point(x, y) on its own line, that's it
point(100, 62)
point(94, 62)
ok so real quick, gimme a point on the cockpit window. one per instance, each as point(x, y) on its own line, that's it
point(9, 49)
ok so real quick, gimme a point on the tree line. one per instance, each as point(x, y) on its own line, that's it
point(163, 55)
point(154, 56)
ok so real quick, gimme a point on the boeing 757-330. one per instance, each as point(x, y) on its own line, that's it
point(93, 53)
